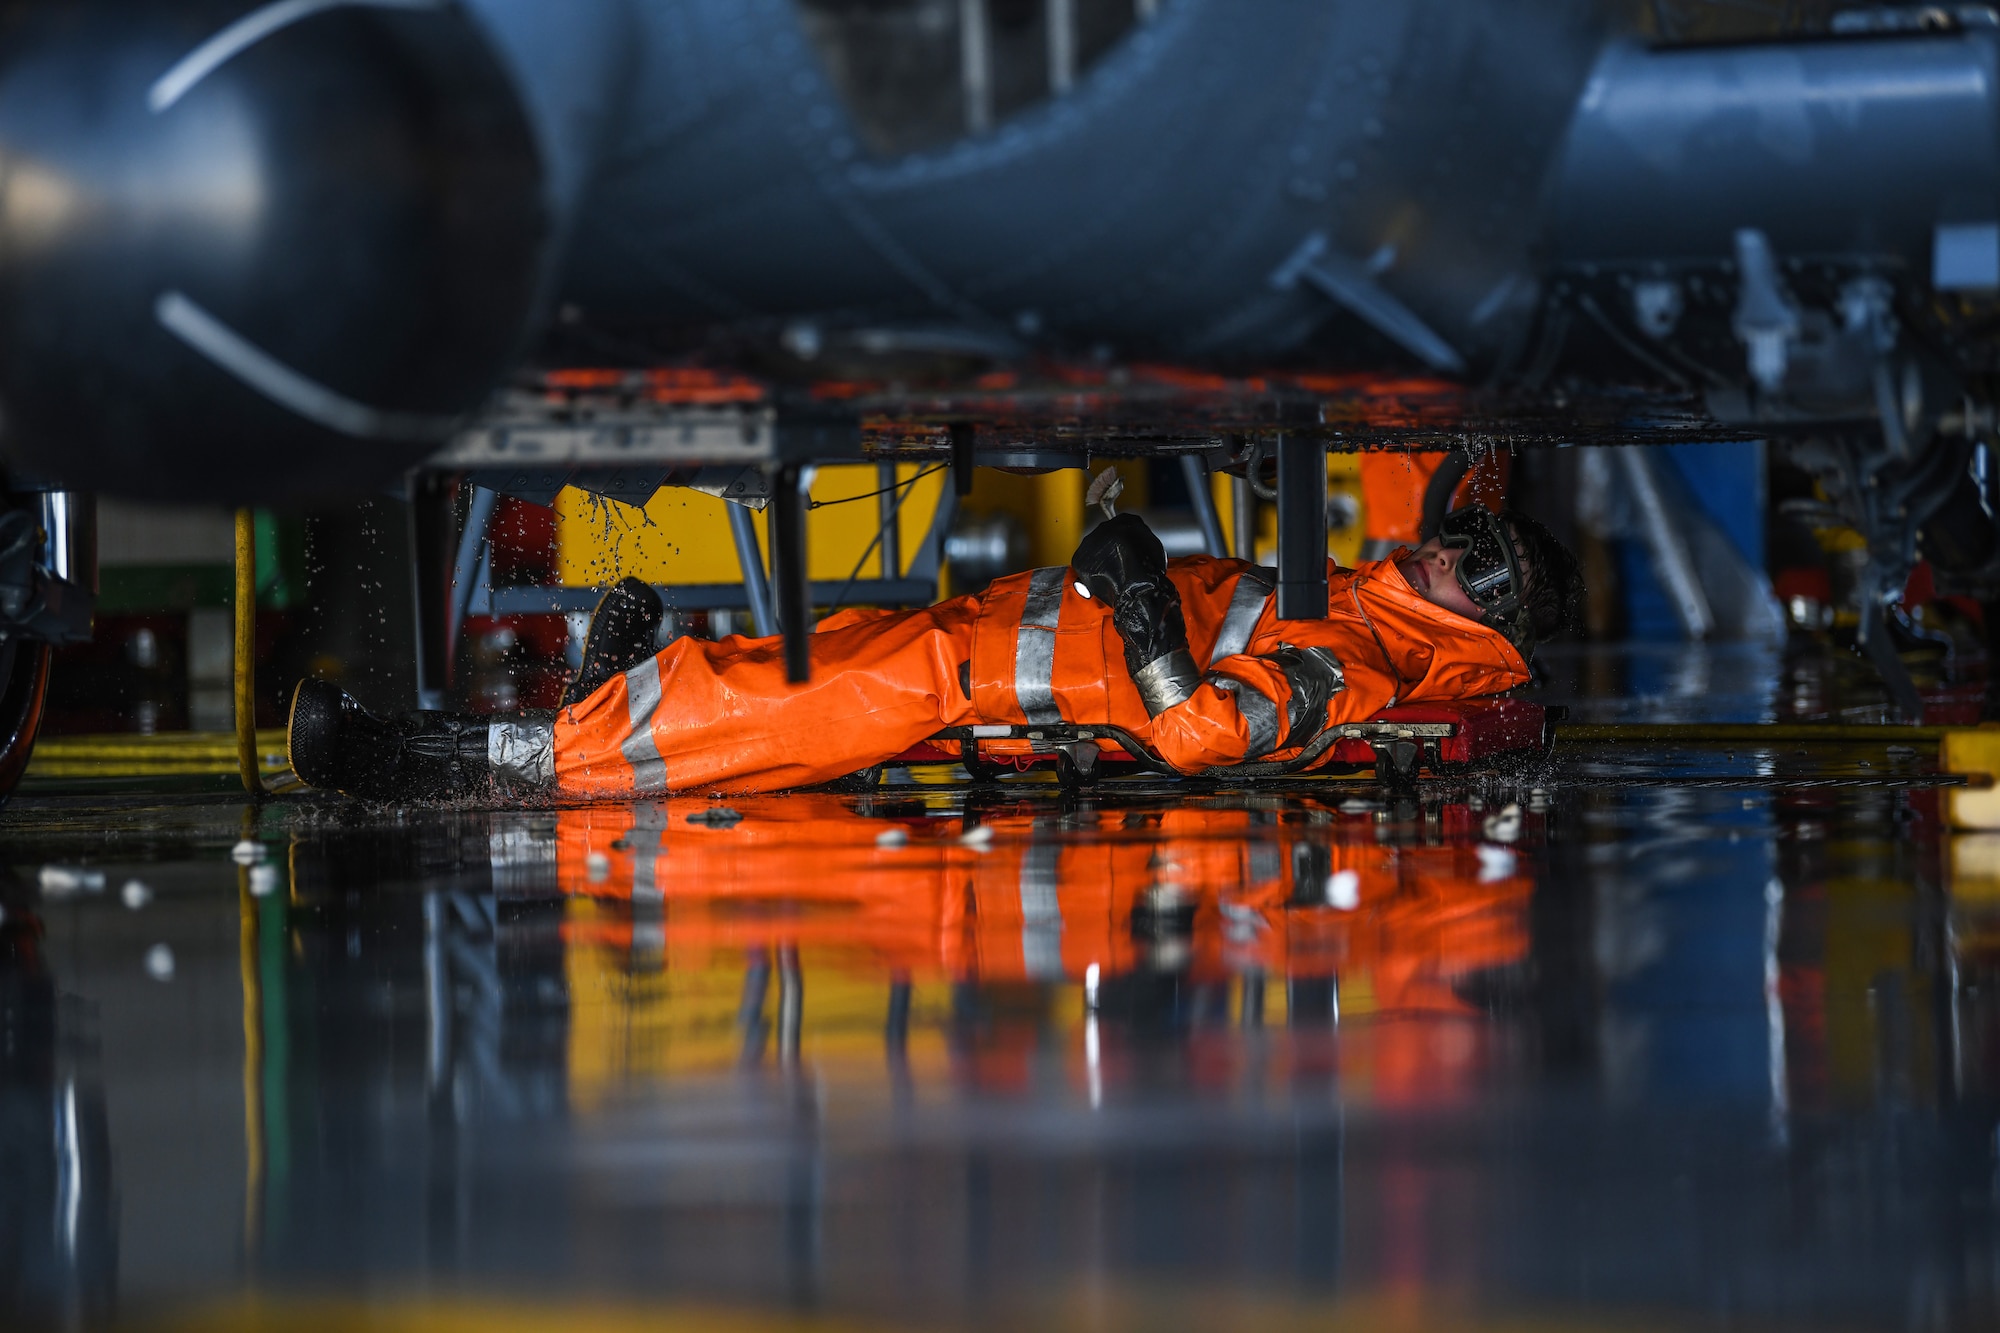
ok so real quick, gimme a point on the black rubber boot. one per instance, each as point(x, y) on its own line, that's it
point(338, 745)
point(623, 633)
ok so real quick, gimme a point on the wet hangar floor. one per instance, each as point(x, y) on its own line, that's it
point(1688, 1038)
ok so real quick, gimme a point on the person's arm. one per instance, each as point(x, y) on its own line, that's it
point(1245, 708)
point(1122, 564)
point(1249, 707)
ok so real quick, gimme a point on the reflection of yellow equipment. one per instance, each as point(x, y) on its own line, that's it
point(1975, 871)
point(1974, 752)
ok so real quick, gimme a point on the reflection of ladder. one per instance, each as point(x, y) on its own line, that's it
point(914, 584)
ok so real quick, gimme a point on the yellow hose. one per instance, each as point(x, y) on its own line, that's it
point(246, 652)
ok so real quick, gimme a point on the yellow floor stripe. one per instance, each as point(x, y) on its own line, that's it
point(1110, 1309)
point(483, 1316)
point(165, 754)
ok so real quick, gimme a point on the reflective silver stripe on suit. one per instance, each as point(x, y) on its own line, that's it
point(648, 822)
point(1246, 608)
point(1041, 910)
point(1258, 712)
point(1167, 682)
point(642, 699)
point(1035, 646)
point(522, 753)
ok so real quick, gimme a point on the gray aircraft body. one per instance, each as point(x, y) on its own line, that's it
point(288, 250)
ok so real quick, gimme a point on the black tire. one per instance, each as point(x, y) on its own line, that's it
point(24, 688)
point(867, 780)
point(1397, 764)
point(1071, 776)
point(977, 769)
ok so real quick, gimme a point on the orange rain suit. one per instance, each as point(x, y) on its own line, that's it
point(702, 716)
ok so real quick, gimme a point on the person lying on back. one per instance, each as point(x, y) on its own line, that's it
point(1187, 655)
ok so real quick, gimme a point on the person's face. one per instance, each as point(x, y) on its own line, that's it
point(1432, 573)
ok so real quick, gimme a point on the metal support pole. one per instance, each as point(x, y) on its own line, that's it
point(750, 559)
point(465, 570)
point(791, 592)
point(892, 537)
point(253, 1054)
point(963, 436)
point(245, 650)
point(929, 559)
point(69, 538)
point(896, 1032)
point(975, 66)
point(1312, 1002)
point(438, 997)
point(1245, 496)
point(1060, 20)
point(1253, 1000)
point(750, 1010)
point(1201, 494)
point(791, 1005)
point(1672, 559)
point(1874, 641)
point(431, 532)
point(1301, 529)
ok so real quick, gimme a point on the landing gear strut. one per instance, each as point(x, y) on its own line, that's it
point(1891, 494)
point(48, 584)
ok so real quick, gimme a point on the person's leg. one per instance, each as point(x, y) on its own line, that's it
point(338, 745)
point(702, 716)
point(716, 716)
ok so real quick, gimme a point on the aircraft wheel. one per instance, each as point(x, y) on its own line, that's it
point(24, 687)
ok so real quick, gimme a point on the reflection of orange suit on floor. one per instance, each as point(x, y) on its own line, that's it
point(1425, 918)
point(1050, 905)
point(1031, 649)
point(804, 871)
point(1042, 904)
point(671, 919)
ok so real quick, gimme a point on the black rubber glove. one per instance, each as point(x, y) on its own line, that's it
point(1122, 564)
point(1315, 676)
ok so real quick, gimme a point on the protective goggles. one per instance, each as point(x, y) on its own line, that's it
point(1488, 568)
